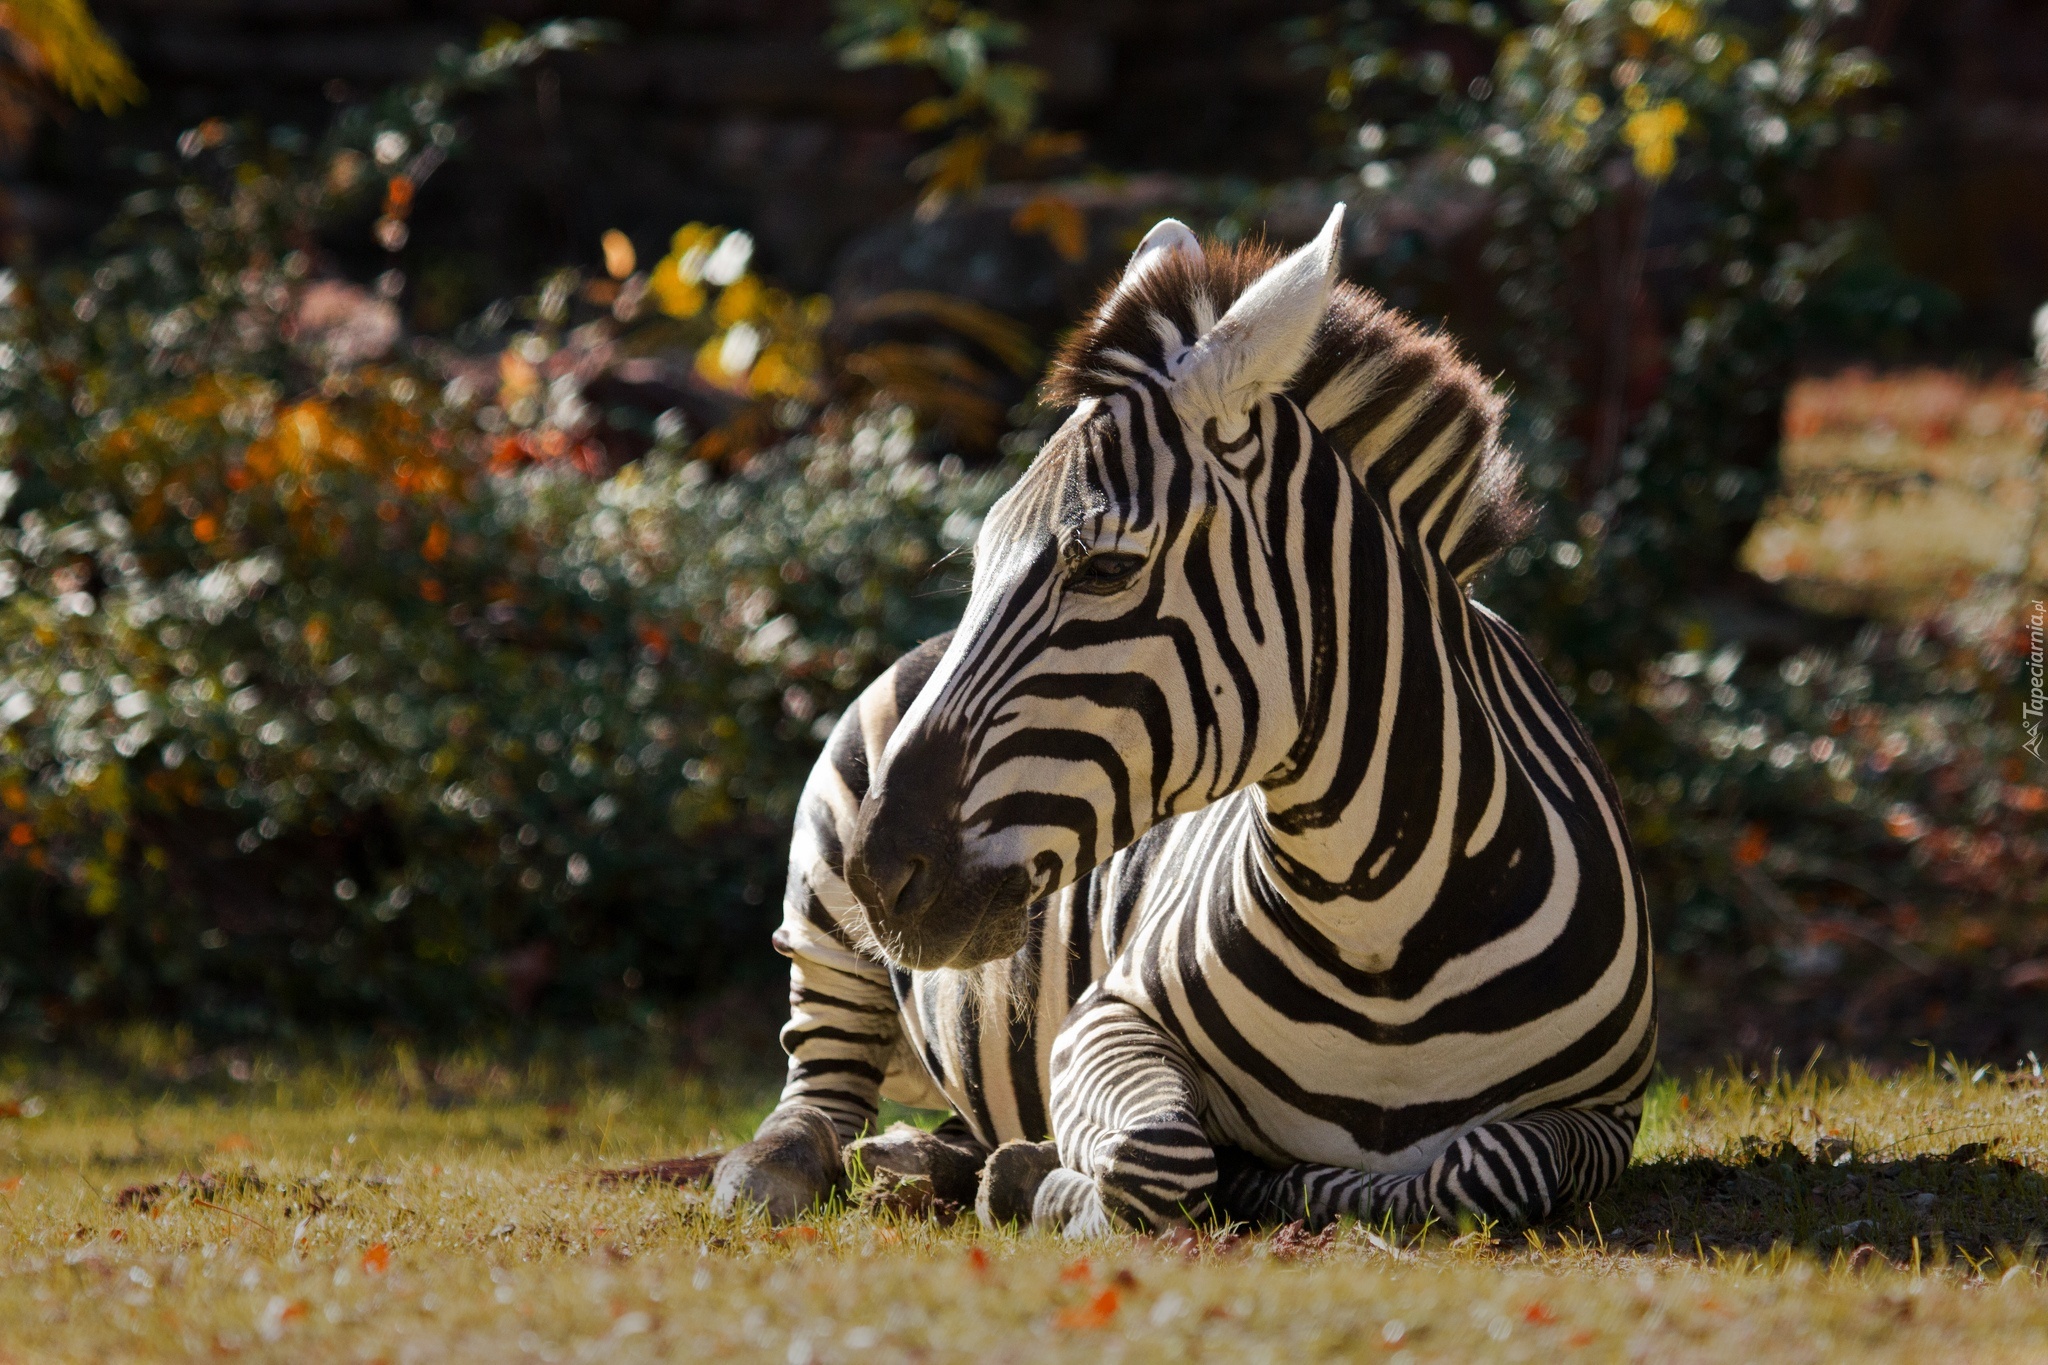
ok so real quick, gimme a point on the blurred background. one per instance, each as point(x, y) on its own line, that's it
point(457, 462)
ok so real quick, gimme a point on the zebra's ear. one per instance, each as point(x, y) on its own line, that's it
point(1256, 347)
point(1168, 237)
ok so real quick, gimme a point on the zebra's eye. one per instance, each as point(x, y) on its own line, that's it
point(1105, 572)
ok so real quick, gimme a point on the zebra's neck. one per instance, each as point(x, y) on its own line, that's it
point(1356, 834)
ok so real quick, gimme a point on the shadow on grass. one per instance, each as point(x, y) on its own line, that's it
point(1970, 1203)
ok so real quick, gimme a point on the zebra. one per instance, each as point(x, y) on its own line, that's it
point(1229, 859)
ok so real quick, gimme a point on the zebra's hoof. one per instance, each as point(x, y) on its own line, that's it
point(1010, 1181)
point(792, 1163)
point(951, 1169)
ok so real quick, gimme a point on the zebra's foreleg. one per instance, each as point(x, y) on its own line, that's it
point(792, 1162)
point(1125, 1108)
point(1512, 1172)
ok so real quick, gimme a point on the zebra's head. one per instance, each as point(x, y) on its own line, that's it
point(1148, 601)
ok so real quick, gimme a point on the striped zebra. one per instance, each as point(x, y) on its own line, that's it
point(1229, 859)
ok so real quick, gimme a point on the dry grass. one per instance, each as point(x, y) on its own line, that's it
point(403, 1217)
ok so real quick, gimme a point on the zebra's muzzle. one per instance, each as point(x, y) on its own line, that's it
point(905, 866)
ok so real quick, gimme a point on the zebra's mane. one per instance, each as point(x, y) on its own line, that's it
point(1418, 422)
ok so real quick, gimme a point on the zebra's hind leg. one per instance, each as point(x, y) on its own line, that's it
point(1512, 1172)
point(1125, 1106)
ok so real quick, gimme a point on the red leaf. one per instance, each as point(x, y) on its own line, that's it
point(1095, 1313)
point(377, 1259)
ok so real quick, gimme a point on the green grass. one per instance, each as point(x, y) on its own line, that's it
point(396, 1213)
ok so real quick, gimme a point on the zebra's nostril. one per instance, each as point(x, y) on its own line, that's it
point(899, 886)
point(914, 890)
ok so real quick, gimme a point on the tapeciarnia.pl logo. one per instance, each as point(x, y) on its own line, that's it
point(2037, 678)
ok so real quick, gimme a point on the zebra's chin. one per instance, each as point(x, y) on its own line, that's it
point(974, 920)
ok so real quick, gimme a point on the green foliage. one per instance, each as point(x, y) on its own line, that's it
point(989, 105)
point(345, 683)
point(334, 693)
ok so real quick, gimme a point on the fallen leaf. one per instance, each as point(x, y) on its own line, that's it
point(1095, 1313)
point(1078, 1271)
point(1295, 1240)
point(1381, 1244)
point(795, 1234)
point(233, 1142)
point(1539, 1313)
point(977, 1260)
point(682, 1170)
point(377, 1259)
point(1579, 1339)
point(11, 1184)
point(908, 1195)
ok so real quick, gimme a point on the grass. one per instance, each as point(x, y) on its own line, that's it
point(398, 1214)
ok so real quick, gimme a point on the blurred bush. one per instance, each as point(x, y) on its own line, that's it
point(421, 682)
point(356, 681)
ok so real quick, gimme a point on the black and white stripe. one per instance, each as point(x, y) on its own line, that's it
point(1311, 895)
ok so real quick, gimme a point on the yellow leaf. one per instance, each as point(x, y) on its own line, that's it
point(74, 51)
point(1060, 219)
point(1676, 22)
point(1045, 146)
point(743, 300)
point(1653, 135)
point(926, 114)
point(517, 378)
point(618, 254)
point(674, 295)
